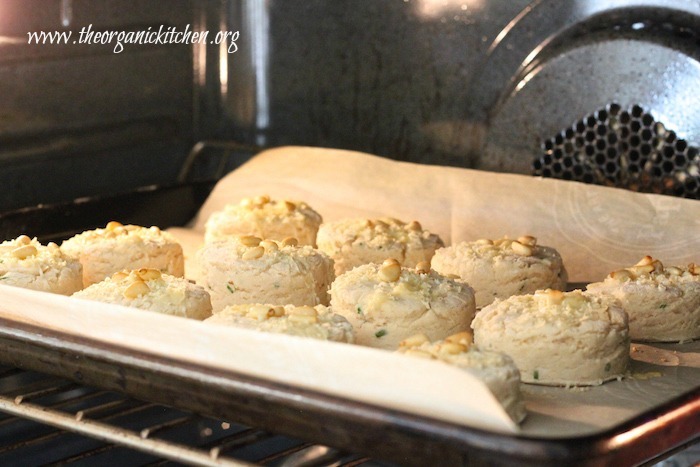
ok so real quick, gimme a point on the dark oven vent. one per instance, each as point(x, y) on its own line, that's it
point(625, 148)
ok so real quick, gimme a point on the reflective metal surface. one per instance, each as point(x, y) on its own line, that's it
point(388, 77)
point(562, 61)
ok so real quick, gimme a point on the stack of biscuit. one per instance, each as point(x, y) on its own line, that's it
point(383, 283)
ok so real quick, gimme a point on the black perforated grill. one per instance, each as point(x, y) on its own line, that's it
point(626, 148)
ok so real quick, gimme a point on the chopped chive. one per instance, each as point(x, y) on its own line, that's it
point(229, 288)
point(662, 306)
point(607, 366)
point(359, 310)
point(380, 333)
point(536, 374)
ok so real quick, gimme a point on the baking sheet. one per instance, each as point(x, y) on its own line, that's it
point(458, 204)
point(659, 373)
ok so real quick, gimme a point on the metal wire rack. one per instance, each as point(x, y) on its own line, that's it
point(50, 420)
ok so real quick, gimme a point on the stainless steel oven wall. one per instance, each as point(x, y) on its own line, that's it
point(471, 83)
point(390, 77)
point(79, 119)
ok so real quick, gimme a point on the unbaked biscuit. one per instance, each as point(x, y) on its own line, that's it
point(386, 303)
point(26, 263)
point(504, 267)
point(663, 304)
point(265, 218)
point(353, 242)
point(247, 269)
point(149, 289)
point(317, 322)
point(557, 338)
point(117, 247)
point(496, 370)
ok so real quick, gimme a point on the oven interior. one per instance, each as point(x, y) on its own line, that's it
point(594, 91)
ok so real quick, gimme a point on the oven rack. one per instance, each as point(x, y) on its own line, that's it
point(52, 420)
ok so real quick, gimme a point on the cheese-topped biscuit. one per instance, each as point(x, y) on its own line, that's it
point(317, 322)
point(386, 303)
point(26, 263)
point(504, 267)
point(247, 269)
point(149, 289)
point(353, 242)
point(496, 370)
point(117, 247)
point(663, 303)
point(265, 218)
point(557, 338)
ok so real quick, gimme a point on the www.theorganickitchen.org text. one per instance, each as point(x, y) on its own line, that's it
point(119, 39)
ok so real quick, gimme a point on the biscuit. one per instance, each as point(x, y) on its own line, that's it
point(386, 303)
point(247, 270)
point(265, 218)
point(557, 338)
point(149, 289)
point(353, 242)
point(317, 322)
point(117, 247)
point(501, 268)
point(496, 370)
point(663, 304)
point(26, 263)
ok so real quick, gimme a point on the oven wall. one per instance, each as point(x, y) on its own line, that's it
point(468, 83)
point(389, 77)
point(78, 120)
point(383, 76)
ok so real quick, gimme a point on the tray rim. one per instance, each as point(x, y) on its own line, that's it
point(294, 411)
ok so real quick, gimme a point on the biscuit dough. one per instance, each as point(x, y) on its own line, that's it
point(353, 242)
point(117, 247)
point(247, 270)
point(557, 338)
point(386, 304)
point(148, 289)
point(502, 268)
point(663, 304)
point(25, 262)
point(265, 218)
point(317, 322)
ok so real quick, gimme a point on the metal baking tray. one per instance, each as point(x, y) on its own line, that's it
point(659, 429)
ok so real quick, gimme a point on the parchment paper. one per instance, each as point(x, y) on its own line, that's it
point(596, 229)
point(379, 377)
